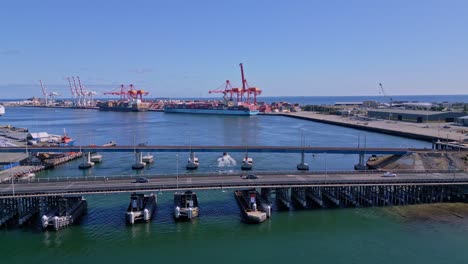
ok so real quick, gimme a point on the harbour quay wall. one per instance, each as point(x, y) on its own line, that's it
point(430, 133)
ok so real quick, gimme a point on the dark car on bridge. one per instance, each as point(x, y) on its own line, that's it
point(141, 180)
point(251, 177)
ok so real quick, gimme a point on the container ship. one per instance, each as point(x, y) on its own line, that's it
point(131, 100)
point(236, 101)
point(210, 108)
point(135, 105)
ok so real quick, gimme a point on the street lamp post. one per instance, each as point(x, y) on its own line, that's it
point(177, 170)
point(13, 185)
point(326, 173)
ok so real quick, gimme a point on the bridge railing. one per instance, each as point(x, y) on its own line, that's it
point(331, 173)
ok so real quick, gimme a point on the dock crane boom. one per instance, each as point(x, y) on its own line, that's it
point(385, 94)
point(44, 92)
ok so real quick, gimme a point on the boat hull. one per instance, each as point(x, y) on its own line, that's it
point(122, 109)
point(67, 144)
point(212, 111)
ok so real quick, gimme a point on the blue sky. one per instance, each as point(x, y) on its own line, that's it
point(185, 48)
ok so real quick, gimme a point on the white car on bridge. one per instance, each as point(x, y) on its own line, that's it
point(389, 174)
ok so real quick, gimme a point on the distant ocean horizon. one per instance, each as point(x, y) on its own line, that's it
point(323, 100)
point(327, 100)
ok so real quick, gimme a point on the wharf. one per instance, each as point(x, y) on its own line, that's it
point(54, 162)
point(423, 131)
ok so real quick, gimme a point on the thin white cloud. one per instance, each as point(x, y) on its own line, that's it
point(9, 52)
point(141, 70)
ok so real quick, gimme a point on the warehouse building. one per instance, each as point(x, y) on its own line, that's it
point(463, 120)
point(418, 116)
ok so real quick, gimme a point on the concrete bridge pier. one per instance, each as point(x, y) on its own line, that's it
point(139, 164)
point(87, 163)
point(303, 166)
point(283, 196)
point(299, 196)
point(362, 163)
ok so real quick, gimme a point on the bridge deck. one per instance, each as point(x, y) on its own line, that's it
point(89, 185)
point(268, 149)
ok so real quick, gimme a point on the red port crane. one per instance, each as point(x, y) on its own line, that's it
point(130, 93)
point(227, 90)
point(251, 92)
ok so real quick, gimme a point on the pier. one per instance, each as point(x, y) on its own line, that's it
point(431, 132)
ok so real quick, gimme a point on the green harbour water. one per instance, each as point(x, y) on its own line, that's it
point(352, 235)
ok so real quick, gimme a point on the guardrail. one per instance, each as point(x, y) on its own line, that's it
point(218, 174)
point(219, 149)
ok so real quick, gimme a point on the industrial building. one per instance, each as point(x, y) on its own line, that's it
point(463, 120)
point(418, 116)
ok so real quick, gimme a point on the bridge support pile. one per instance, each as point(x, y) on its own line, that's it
point(366, 196)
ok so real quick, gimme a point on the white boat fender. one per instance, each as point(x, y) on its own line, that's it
point(190, 213)
point(45, 221)
point(268, 211)
point(131, 218)
point(146, 215)
point(56, 223)
point(254, 206)
point(177, 212)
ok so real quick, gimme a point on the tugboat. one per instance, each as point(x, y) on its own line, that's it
point(65, 140)
point(252, 208)
point(185, 205)
point(192, 163)
point(141, 208)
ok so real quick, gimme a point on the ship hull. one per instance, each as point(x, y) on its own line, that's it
point(212, 111)
point(122, 109)
point(67, 144)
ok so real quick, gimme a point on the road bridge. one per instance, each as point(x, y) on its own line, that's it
point(257, 149)
point(169, 182)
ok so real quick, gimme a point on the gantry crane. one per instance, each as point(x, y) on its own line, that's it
point(251, 92)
